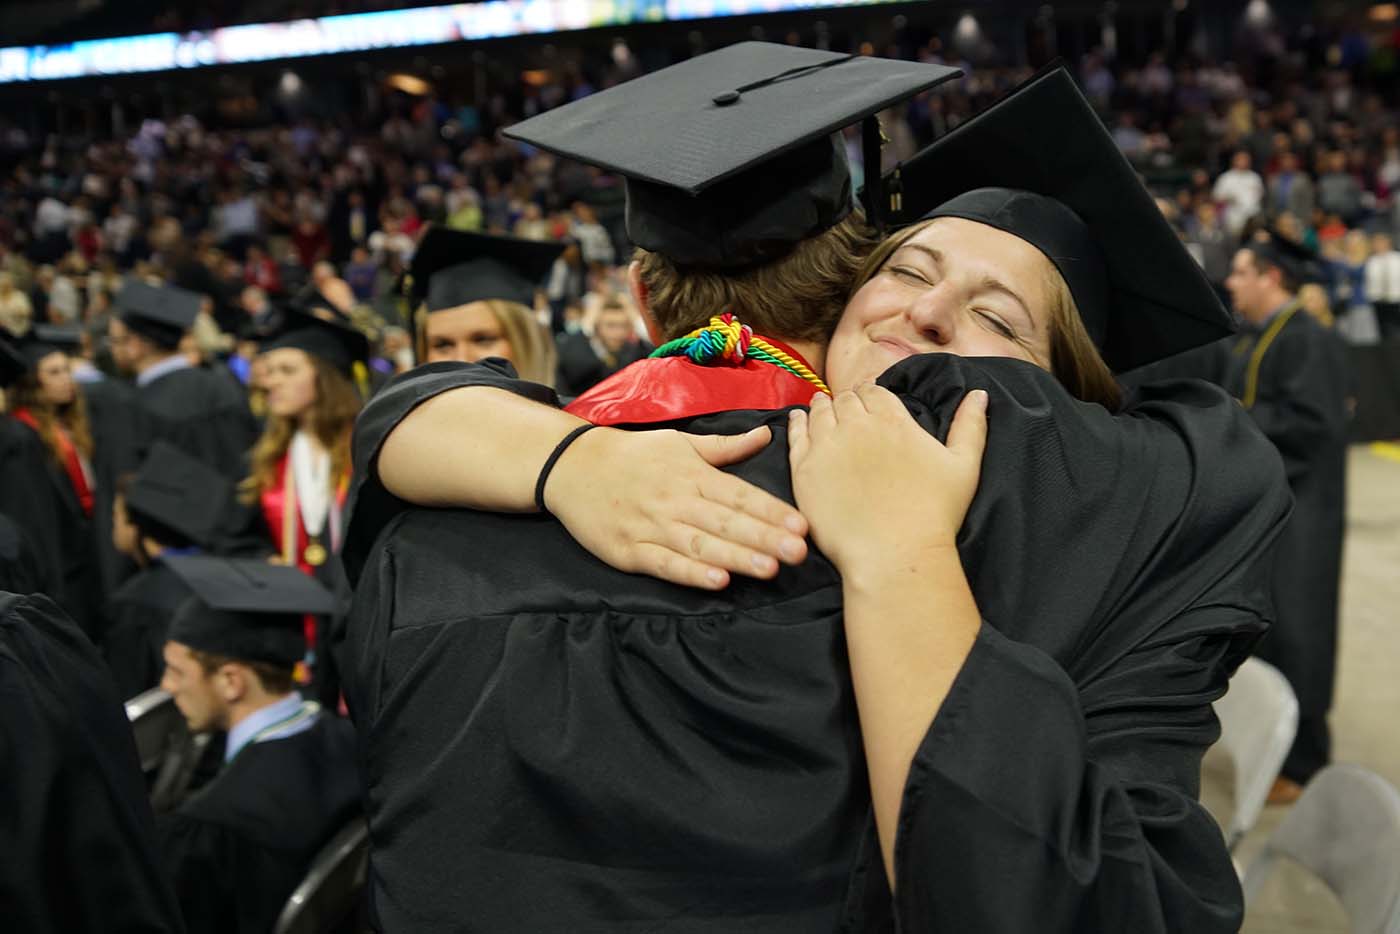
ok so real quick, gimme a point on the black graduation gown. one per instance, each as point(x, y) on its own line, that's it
point(1295, 388)
point(114, 417)
point(79, 840)
point(140, 613)
point(203, 413)
point(237, 849)
point(552, 745)
point(21, 570)
point(28, 496)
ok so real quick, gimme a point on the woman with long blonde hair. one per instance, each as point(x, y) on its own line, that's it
point(299, 470)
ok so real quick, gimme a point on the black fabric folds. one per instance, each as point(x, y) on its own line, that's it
point(552, 745)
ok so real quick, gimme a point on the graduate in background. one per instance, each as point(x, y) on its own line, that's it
point(299, 470)
point(586, 360)
point(1290, 374)
point(28, 495)
point(174, 505)
point(45, 398)
point(201, 412)
point(237, 848)
point(80, 842)
point(474, 297)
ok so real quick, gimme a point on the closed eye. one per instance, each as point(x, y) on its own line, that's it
point(911, 274)
point(995, 323)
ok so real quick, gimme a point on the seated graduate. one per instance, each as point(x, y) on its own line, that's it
point(623, 737)
point(174, 505)
point(237, 848)
point(80, 842)
point(202, 412)
point(587, 359)
point(474, 298)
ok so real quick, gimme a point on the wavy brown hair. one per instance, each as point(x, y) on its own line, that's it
point(332, 420)
point(1074, 359)
point(73, 417)
point(798, 297)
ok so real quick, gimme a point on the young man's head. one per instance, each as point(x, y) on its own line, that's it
point(214, 692)
point(150, 323)
point(232, 648)
point(1258, 283)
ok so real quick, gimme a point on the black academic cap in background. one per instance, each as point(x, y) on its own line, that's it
point(1039, 164)
point(173, 492)
point(160, 313)
point(45, 339)
point(13, 363)
point(1299, 263)
point(456, 267)
point(328, 336)
point(730, 157)
point(246, 608)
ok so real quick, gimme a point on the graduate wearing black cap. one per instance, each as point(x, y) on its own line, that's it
point(472, 296)
point(237, 848)
point(81, 850)
point(174, 505)
point(200, 411)
point(41, 394)
point(315, 377)
point(720, 728)
point(1290, 373)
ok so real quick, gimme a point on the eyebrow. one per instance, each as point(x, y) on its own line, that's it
point(988, 283)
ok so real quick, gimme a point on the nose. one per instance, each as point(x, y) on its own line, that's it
point(934, 314)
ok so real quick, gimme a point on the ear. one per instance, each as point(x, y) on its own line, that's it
point(638, 288)
point(232, 683)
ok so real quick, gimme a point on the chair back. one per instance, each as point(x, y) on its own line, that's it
point(1258, 721)
point(330, 894)
point(1345, 829)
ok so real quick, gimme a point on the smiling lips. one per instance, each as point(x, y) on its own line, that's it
point(897, 348)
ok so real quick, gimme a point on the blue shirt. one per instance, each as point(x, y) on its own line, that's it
point(156, 370)
point(257, 721)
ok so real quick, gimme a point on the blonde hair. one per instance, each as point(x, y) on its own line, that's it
point(798, 297)
point(532, 350)
point(332, 418)
point(1074, 359)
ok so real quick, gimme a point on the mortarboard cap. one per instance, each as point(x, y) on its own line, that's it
point(177, 499)
point(1039, 164)
point(729, 157)
point(46, 339)
point(245, 608)
point(322, 333)
point(1300, 264)
point(160, 313)
point(13, 363)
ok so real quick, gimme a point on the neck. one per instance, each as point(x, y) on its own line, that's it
point(1269, 306)
point(145, 363)
point(245, 707)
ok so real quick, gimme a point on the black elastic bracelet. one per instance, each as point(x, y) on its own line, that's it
point(548, 467)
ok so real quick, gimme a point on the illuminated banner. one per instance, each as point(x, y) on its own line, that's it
point(364, 32)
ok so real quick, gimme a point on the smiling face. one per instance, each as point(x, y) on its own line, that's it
point(955, 286)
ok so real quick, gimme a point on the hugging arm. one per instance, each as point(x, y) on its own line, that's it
point(474, 436)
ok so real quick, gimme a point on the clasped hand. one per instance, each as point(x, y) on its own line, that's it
point(869, 482)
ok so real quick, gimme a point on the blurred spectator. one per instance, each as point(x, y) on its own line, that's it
point(1338, 191)
point(16, 312)
point(361, 274)
point(592, 237)
point(1382, 284)
point(333, 288)
point(1241, 191)
point(261, 271)
point(1290, 189)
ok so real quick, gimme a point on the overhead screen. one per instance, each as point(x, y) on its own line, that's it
point(364, 32)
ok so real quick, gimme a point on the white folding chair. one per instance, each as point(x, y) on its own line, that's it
point(1345, 829)
point(1258, 720)
point(167, 750)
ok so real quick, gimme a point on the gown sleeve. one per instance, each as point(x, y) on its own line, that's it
point(1057, 787)
point(370, 506)
point(199, 861)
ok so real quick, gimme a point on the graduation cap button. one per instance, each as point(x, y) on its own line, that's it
point(727, 98)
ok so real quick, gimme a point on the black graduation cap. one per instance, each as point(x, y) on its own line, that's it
point(13, 363)
point(178, 499)
point(45, 339)
point(160, 313)
point(1039, 164)
point(245, 608)
point(455, 267)
point(729, 157)
point(328, 336)
point(1299, 263)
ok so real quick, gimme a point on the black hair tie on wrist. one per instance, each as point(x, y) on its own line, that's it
point(548, 467)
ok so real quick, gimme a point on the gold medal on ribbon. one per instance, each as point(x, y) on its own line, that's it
point(315, 554)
